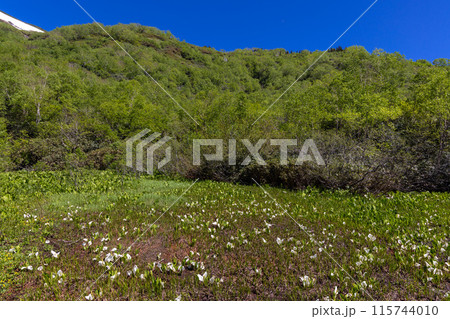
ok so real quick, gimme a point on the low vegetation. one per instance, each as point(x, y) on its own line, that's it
point(65, 236)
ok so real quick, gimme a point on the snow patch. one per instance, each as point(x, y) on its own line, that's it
point(17, 23)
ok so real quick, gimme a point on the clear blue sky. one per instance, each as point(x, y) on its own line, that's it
point(418, 29)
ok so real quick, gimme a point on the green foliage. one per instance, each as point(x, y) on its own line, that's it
point(67, 95)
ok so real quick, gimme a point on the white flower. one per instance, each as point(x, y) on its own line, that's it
point(307, 282)
point(55, 254)
point(264, 241)
point(336, 291)
point(171, 267)
point(135, 269)
point(27, 268)
point(201, 278)
point(268, 225)
point(60, 273)
point(230, 245)
point(40, 268)
point(313, 256)
point(128, 256)
point(279, 241)
point(115, 275)
point(12, 251)
point(109, 258)
point(89, 297)
point(437, 272)
point(371, 237)
point(178, 298)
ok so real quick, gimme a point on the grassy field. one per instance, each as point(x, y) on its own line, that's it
point(60, 232)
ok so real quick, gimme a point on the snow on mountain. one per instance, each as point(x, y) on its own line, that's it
point(17, 23)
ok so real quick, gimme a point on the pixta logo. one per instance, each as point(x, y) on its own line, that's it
point(308, 151)
point(146, 143)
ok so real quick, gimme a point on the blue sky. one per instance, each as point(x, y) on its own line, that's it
point(418, 29)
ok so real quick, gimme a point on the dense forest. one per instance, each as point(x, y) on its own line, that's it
point(69, 99)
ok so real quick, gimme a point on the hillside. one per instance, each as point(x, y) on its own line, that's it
point(69, 98)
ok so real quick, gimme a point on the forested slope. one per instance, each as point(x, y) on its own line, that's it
point(70, 97)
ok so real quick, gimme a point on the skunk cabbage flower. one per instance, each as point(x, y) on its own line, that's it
point(202, 277)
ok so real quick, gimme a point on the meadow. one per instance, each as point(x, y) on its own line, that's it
point(64, 236)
